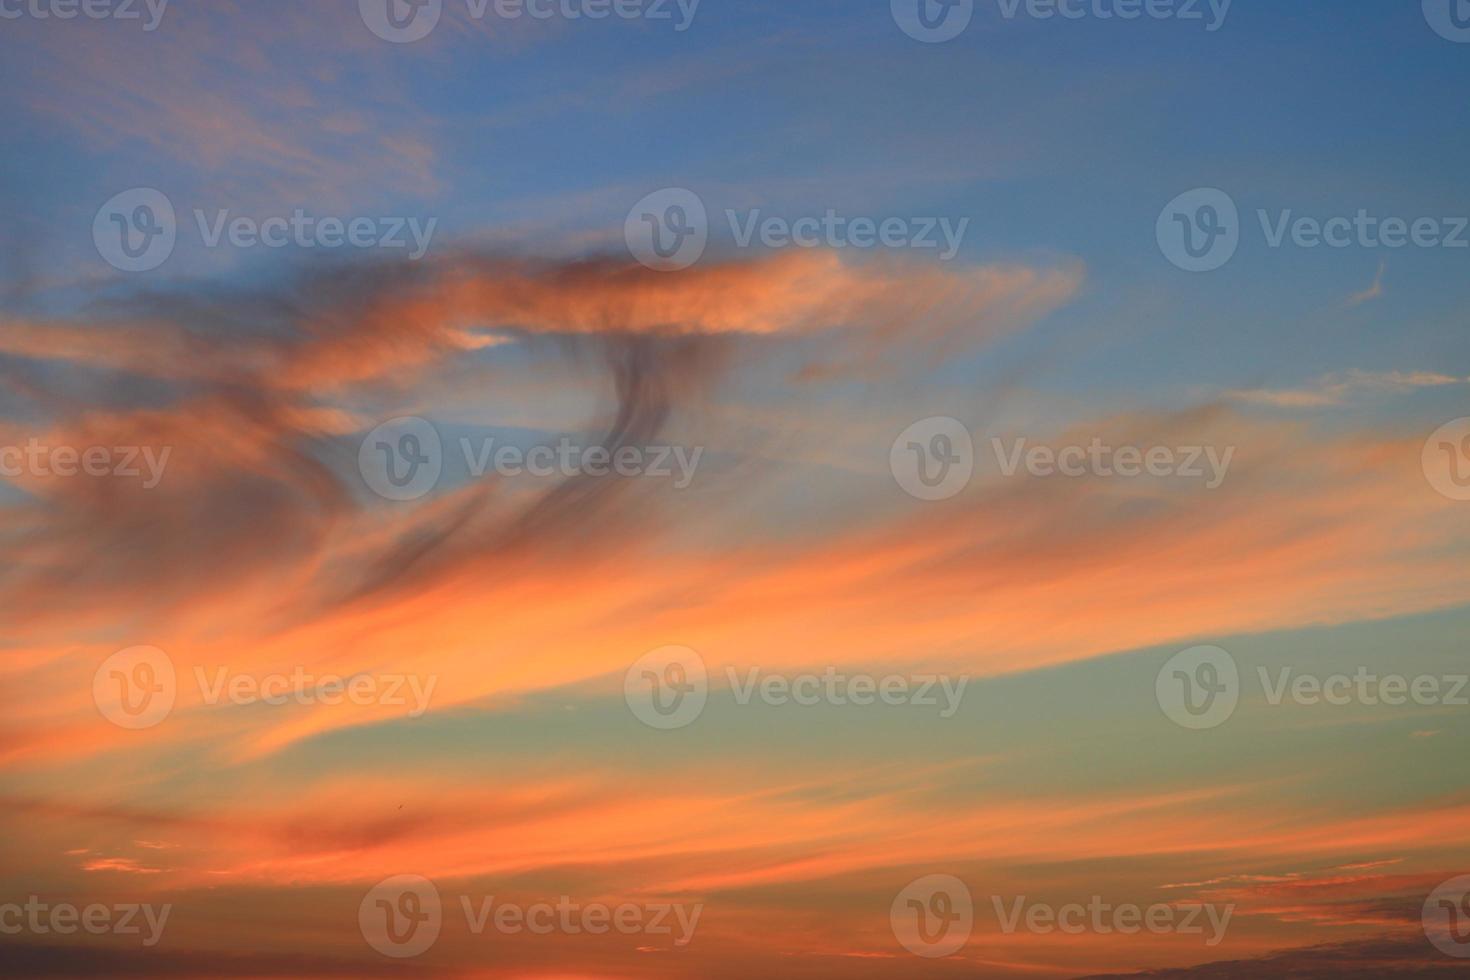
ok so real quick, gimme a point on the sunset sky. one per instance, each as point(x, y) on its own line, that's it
point(516, 648)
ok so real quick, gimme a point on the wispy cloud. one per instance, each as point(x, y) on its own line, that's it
point(1337, 389)
point(1372, 292)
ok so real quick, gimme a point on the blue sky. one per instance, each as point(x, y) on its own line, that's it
point(1059, 140)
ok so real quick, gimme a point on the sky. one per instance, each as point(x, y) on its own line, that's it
point(636, 488)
